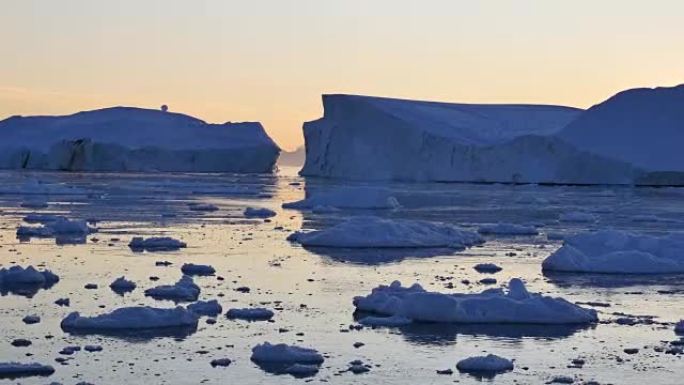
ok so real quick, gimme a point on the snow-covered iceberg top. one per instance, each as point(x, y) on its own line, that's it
point(376, 232)
point(370, 138)
point(134, 139)
point(132, 318)
point(360, 197)
point(517, 306)
point(13, 370)
point(618, 252)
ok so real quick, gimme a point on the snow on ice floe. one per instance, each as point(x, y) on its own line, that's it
point(507, 229)
point(185, 290)
point(156, 244)
point(250, 314)
point(193, 269)
point(121, 285)
point(410, 140)
point(375, 232)
point(12, 370)
point(346, 197)
point(130, 319)
point(618, 252)
point(134, 139)
point(258, 212)
point(489, 364)
point(517, 306)
point(207, 308)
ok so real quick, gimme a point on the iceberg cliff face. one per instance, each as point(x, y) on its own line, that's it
point(369, 138)
point(134, 139)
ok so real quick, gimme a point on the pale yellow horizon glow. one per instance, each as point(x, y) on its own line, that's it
point(270, 61)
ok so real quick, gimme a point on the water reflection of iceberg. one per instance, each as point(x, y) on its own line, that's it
point(674, 282)
point(426, 333)
point(24, 289)
point(372, 256)
point(137, 335)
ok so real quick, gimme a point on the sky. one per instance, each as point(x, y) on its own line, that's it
point(270, 61)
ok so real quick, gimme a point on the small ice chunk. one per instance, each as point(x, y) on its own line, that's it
point(250, 314)
point(222, 362)
point(92, 348)
point(17, 275)
point(208, 308)
point(487, 268)
point(258, 212)
point(489, 364)
point(183, 290)
point(282, 353)
point(31, 319)
point(122, 285)
point(193, 269)
point(156, 244)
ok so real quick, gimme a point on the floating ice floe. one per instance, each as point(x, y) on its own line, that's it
point(122, 285)
point(31, 319)
point(348, 198)
point(258, 212)
point(17, 275)
point(34, 203)
point(207, 308)
point(487, 268)
point(156, 244)
point(185, 290)
point(375, 232)
point(250, 314)
point(11, 370)
point(285, 354)
point(56, 226)
point(679, 327)
point(618, 252)
point(517, 306)
point(577, 217)
point(131, 318)
point(507, 229)
point(489, 364)
point(193, 269)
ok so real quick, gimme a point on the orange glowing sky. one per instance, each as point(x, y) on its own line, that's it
point(271, 60)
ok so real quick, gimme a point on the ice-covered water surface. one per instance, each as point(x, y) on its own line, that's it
point(311, 290)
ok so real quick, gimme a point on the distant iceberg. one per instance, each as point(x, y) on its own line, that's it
point(371, 138)
point(134, 139)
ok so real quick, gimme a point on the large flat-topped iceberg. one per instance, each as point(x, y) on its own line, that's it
point(370, 138)
point(134, 139)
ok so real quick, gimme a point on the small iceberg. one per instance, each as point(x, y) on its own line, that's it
point(485, 365)
point(131, 319)
point(286, 359)
point(206, 308)
point(185, 290)
point(507, 229)
point(250, 314)
point(121, 285)
point(488, 268)
point(13, 370)
point(192, 269)
point(156, 244)
point(58, 227)
point(369, 198)
point(618, 252)
point(517, 306)
point(375, 232)
point(17, 275)
point(255, 212)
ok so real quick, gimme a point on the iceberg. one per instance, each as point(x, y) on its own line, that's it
point(139, 244)
point(17, 275)
point(250, 314)
point(489, 364)
point(375, 232)
point(185, 290)
point(372, 138)
point(618, 252)
point(517, 306)
point(643, 127)
point(287, 354)
point(207, 308)
point(12, 370)
point(193, 269)
point(134, 139)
